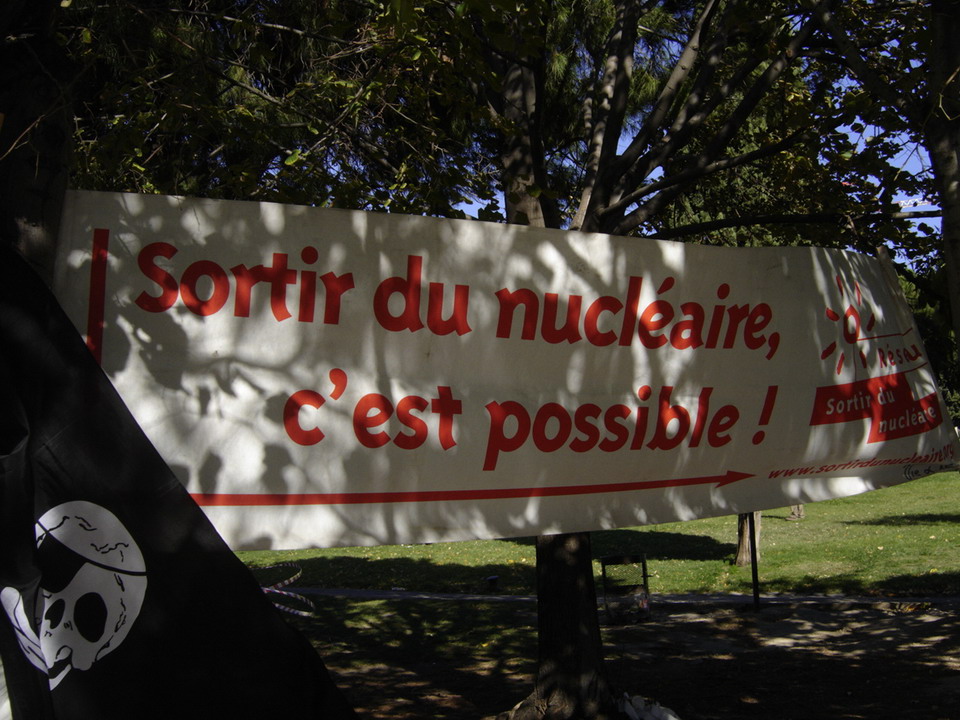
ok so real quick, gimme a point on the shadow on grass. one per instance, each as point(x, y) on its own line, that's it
point(918, 519)
point(926, 584)
point(345, 571)
point(420, 659)
point(519, 578)
point(655, 544)
point(660, 545)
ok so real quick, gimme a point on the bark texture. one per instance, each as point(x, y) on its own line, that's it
point(571, 680)
point(744, 540)
point(941, 132)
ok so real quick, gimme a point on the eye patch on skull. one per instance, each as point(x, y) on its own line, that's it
point(58, 564)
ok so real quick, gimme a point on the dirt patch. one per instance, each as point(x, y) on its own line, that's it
point(885, 661)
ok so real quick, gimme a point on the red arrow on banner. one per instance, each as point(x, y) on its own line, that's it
point(246, 499)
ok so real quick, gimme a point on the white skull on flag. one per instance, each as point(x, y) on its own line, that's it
point(91, 590)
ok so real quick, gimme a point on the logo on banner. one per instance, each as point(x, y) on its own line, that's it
point(888, 401)
point(851, 326)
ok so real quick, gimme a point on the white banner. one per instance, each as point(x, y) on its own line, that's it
point(323, 377)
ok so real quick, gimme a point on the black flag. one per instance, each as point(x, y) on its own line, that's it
point(120, 598)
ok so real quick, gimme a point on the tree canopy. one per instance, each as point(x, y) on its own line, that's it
point(643, 118)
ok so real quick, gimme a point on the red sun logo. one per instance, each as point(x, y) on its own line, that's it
point(851, 325)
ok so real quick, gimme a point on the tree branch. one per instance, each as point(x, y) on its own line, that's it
point(271, 26)
point(736, 119)
point(698, 172)
point(614, 92)
point(860, 67)
point(755, 94)
point(788, 219)
point(697, 107)
point(681, 70)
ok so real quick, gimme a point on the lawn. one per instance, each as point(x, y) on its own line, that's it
point(897, 541)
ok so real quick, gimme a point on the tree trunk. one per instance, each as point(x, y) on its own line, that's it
point(941, 136)
point(522, 156)
point(571, 682)
point(744, 540)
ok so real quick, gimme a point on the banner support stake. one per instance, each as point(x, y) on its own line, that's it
point(752, 522)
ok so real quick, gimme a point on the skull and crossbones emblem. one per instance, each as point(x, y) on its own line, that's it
point(91, 590)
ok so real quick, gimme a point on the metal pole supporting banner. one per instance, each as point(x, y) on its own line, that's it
point(753, 560)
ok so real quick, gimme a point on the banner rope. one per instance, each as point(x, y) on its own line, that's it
point(277, 589)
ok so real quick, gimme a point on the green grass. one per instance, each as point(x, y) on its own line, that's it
point(401, 632)
point(903, 540)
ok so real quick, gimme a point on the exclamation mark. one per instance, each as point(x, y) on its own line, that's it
point(766, 413)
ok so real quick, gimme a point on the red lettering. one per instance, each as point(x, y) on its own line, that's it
point(218, 295)
point(552, 426)
point(676, 414)
point(205, 286)
point(584, 419)
point(246, 278)
point(613, 423)
point(686, 333)
point(591, 321)
point(548, 328)
point(291, 417)
point(409, 289)
point(656, 316)
point(658, 324)
point(498, 440)
point(405, 415)
point(446, 407)
point(308, 296)
point(278, 276)
point(703, 412)
point(375, 410)
point(308, 285)
point(334, 287)
point(643, 413)
point(372, 411)
point(716, 318)
point(737, 314)
point(508, 303)
point(457, 322)
point(718, 434)
point(168, 283)
point(760, 316)
point(546, 413)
